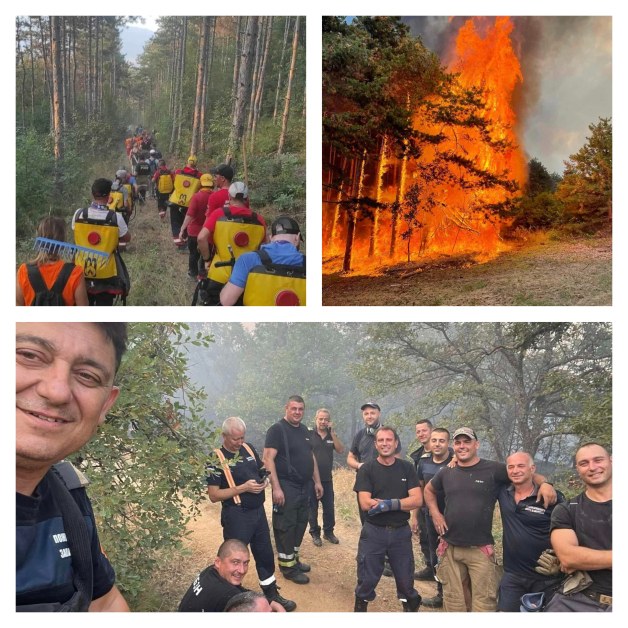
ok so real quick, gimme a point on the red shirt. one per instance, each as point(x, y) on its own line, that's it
point(210, 222)
point(191, 172)
point(196, 211)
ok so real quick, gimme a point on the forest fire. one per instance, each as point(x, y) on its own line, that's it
point(452, 196)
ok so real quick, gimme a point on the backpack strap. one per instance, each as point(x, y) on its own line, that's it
point(62, 278)
point(264, 257)
point(227, 211)
point(35, 278)
point(77, 535)
point(228, 475)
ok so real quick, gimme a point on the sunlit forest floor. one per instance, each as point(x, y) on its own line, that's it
point(547, 271)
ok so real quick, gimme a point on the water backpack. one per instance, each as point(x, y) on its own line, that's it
point(241, 233)
point(164, 183)
point(110, 276)
point(43, 294)
point(275, 284)
point(185, 186)
point(116, 201)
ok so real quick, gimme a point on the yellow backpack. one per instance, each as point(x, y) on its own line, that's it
point(185, 186)
point(242, 233)
point(275, 284)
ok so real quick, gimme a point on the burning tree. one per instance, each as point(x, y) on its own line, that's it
point(458, 155)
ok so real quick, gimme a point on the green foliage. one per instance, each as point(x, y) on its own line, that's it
point(529, 386)
point(278, 181)
point(586, 189)
point(542, 211)
point(146, 465)
point(539, 179)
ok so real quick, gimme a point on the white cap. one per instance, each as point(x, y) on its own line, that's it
point(238, 189)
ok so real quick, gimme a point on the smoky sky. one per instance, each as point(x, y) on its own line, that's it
point(566, 65)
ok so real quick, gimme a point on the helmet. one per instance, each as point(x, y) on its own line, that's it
point(207, 181)
point(192, 160)
point(121, 174)
point(153, 151)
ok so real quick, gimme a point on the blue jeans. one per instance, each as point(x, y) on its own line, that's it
point(327, 502)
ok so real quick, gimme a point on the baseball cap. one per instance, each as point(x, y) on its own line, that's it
point(207, 180)
point(223, 170)
point(370, 404)
point(238, 190)
point(285, 224)
point(464, 431)
point(121, 173)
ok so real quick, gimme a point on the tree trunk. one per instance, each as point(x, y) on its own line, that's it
point(206, 77)
point(57, 103)
point(47, 63)
point(259, 95)
point(381, 166)
point(236, 62)
point(286, 110)
point(32, 56)
point(286, 30)
point(200, 73)
point(256, 72)
point(182, 76)
point(353, 218)
point(244, 85)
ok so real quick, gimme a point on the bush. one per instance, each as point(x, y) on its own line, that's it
point(538, 212)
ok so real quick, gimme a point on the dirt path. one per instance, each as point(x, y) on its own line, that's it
point(333, 575)
point(550, 272)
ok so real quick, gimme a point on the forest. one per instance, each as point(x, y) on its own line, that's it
point(224, 89)
point(423, 159)
point(538, 387)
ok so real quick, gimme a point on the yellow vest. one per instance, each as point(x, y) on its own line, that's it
point(275, 284)
point(185, 186)
point(242, 233)
point(102, 236)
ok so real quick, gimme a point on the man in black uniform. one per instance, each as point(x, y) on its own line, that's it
point(64, 390)
point(289, 459)
point(216, 585)
point(470, 489)
point(363, 449)
point(423, 431)
point(388, 489)
point(427, 467)
point(582, 536)
point(240, 488)
point(526, 526)
point(324, 442)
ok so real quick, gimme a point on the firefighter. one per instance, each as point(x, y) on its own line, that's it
point(186, 184)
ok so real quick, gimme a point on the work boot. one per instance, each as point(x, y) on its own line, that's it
point(361, 606)
point(316, 539)
point(412, 605)
point(296, 576)
point(271, 592)
point(304, 567)
point(427, 573)
point(331, 537)
point(433, 602)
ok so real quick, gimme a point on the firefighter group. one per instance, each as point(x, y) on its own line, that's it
point(234, 257)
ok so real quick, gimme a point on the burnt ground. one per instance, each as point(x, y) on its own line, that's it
point(546, 272)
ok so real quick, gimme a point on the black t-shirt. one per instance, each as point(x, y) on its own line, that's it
point(301, 466)
point(387, 482)
point(246, 469)
point(470, 496)
point(526, 528)
point(593, 524)
point(324, 454)
point(209, 593)
point(363, 445)
point(426, 469)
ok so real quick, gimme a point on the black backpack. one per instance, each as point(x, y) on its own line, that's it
point(43, 294)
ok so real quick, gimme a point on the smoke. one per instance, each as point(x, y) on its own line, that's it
point(566, 65)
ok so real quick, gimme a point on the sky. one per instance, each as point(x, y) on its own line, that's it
point(566, 64)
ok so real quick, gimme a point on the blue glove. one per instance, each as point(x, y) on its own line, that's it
point(385, 505)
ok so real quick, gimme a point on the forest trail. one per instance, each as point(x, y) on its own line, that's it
point(333, 575)
point(575, 272)
point(157, 268)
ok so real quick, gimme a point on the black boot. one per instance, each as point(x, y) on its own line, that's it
point(412, 605)
point(271, 592)
point(361, 606)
